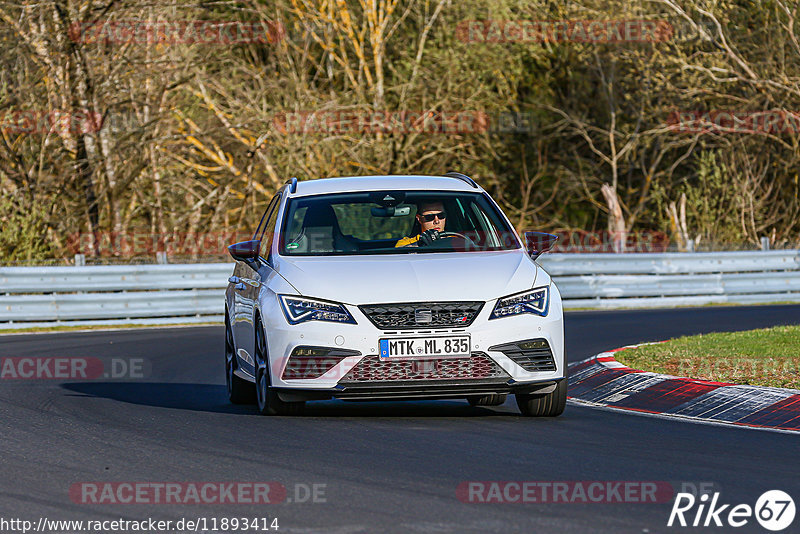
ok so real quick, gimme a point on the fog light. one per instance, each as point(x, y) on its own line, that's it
point(308, 351)
point(529, 345)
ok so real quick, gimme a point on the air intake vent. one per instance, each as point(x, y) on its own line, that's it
point(533, 355)
point(313, 362)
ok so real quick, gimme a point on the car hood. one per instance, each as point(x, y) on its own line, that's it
point(410, 278)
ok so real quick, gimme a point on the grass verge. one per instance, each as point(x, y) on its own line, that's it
point(764, 357)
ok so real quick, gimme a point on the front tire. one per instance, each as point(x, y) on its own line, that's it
point(544, 404)
point(240, 391)
point(266, 397)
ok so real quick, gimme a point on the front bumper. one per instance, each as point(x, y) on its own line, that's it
point(408, 390)
point(362, 338)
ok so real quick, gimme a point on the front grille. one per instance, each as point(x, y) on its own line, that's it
point(372, 369)
point(411, 315)
point(532, 355)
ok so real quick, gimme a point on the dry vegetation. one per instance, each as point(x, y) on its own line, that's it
point(181, 138)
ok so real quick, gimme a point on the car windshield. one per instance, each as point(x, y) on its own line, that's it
point(386, 222)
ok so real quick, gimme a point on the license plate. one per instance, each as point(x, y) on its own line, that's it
point(398, 348)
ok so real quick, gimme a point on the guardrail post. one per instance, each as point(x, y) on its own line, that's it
point(80, 260)
point(765, 243)
point(161, 258)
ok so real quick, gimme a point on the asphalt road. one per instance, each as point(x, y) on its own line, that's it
point(380, 467)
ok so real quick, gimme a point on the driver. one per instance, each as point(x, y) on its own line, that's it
point(431, 218)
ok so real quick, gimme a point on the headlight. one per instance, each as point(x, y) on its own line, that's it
point(299, 310)
point(535, 301)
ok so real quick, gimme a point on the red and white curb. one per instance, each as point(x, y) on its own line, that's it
point(602, 381)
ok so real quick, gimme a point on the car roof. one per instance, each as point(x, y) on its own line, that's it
point(348, 184)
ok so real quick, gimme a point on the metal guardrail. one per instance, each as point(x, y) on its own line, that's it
point(675, 279)
point(155, 294)
point(112, 294)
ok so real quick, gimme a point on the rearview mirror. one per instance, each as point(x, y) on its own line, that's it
point(391, 211)
point(246, 251)
point(537, 243)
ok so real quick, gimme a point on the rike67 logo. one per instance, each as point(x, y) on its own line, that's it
point(774, 510)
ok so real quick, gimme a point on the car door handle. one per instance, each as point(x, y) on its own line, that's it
point(239, 286)
point(233, 279)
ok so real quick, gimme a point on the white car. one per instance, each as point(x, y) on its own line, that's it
point(392, 287)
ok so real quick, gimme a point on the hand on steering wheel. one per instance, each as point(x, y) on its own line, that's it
point(433, 236)
point(428, 237)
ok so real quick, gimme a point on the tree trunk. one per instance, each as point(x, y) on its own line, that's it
point(83, 171)
point(616, 221)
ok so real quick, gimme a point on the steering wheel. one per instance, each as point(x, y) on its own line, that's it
point(446, 235)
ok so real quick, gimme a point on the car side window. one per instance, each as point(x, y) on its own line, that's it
point(268, 232)
point(260, 228)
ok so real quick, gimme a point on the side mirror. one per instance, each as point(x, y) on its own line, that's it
point(537, 243)
point(246, 251)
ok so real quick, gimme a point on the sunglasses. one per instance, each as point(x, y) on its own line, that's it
point(431, 216)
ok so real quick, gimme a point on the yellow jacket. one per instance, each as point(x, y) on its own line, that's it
point(407, 241)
